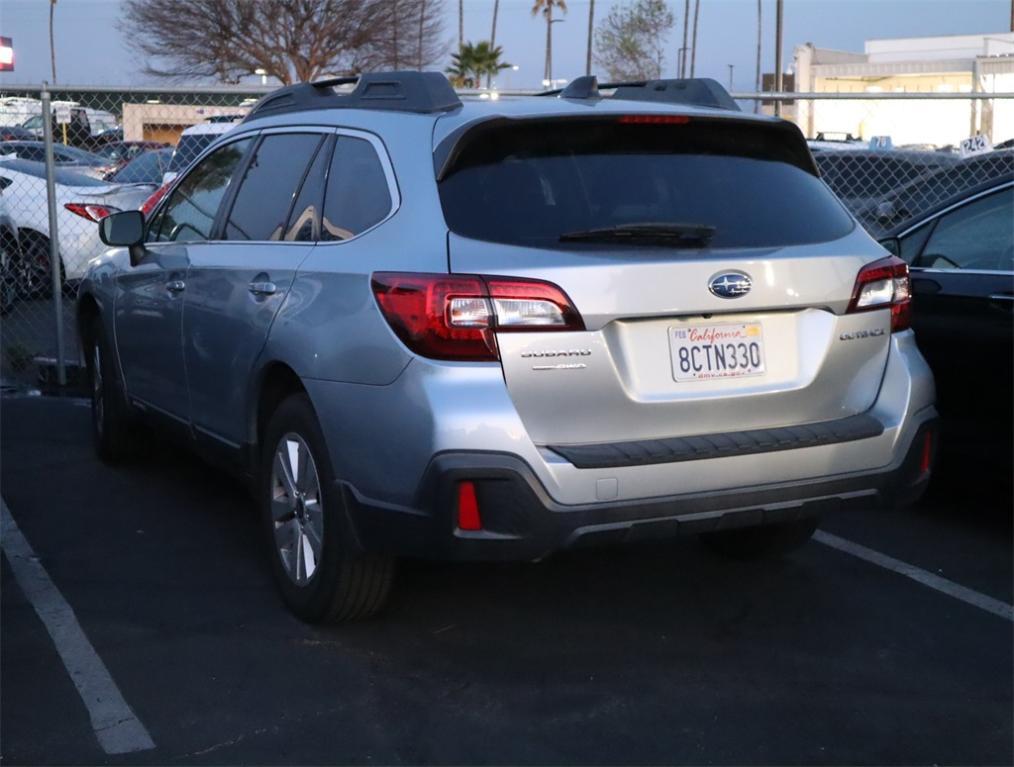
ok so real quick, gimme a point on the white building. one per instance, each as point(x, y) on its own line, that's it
point(953, 64)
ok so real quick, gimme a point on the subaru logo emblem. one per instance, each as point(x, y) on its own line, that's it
point(730, 284)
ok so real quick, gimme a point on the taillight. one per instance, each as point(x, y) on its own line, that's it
point(468, 507)
point(151, 202)
point(91, 212)
point(454, 317)
point(882, 284)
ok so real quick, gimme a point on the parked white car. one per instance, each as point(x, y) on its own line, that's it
point(82, 201)
point(193, 141)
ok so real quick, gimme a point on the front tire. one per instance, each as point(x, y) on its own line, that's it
point(322, 576)
point(761, 542)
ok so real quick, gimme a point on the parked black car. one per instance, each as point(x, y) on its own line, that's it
point(860, 177)
point(961, 255)
point(927, 193)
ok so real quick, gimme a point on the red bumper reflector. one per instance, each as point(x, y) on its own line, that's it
point(468, 507)
point(927, 454)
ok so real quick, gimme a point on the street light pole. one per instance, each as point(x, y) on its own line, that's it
point(731, 68)
point(778, 55)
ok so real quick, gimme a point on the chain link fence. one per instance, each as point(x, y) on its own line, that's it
point(888, 156)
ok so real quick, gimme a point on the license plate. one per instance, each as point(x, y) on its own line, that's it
point(707, 352)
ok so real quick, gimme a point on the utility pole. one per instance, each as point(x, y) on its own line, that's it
point(591, 32)
point(731, 68)
point(461, 24)
point(682, 58)
point(778, 55)
point(758, 84)
point(693, 43)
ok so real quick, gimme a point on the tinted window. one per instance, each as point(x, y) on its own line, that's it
point(190, 213)
point(528, 184)
point(36, 153)
point(304, 221)
point(975, 236)
point(145, 168)
point(269, 185)
point(357, 195)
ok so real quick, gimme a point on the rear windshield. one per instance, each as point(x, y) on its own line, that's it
point(188, 148)
point(529, 183)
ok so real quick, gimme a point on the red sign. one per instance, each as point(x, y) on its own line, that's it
point(6, 54)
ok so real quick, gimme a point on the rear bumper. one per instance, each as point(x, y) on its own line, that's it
point(521, 521)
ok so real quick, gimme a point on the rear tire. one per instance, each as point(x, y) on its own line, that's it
point(112, 422)
point(763, 541)
point(322, 575)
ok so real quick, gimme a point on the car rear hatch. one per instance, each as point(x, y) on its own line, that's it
point(711, 268)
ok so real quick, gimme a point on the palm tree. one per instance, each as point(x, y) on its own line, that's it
point(591, 29)
point(492, 35)
point(475, 61)
point(52, 47)
point(545, 7)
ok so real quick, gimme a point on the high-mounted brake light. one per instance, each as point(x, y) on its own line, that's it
point(91, 212)
point(455, 316)
point(882, 284)
point(653, 120)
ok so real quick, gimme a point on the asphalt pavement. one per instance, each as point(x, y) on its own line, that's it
point(654, 654)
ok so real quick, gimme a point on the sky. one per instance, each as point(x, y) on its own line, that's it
point(90, 50)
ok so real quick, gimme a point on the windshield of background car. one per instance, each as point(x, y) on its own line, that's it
point(188, 148)
point(528, 183)
point(145, 168)
point(60, 175)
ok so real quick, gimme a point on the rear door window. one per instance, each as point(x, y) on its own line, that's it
point(304, 220)
point(529, 183)
point(976, 236)
point(357, 195)
point(190, 213)
point(269, 184)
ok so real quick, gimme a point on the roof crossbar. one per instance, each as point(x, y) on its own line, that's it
point(419, 92)
point(698, 91)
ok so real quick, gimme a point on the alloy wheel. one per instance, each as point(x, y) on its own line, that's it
point(297, 513)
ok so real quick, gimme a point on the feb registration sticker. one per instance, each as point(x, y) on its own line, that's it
point(707, 352)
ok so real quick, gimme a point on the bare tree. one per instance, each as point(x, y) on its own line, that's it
point(630, 43)
point(292, 40)
point(412, 36)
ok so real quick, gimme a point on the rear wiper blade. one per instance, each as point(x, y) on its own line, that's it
point(665, 234)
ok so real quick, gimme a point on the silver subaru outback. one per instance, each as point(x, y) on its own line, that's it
point(499, 328)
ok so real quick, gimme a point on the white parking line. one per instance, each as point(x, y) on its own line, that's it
point(116, 727)
point(926, 578)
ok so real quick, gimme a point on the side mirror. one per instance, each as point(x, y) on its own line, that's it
point(125, 228)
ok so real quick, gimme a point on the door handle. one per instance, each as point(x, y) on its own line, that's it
point(176, 286)
point(262, 288)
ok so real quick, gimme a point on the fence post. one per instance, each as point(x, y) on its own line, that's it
point(54, 240)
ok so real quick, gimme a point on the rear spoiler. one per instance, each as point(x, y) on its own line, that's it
point(786, 135)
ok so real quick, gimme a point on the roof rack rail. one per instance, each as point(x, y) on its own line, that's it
point(698, 91)
point(419, 92)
